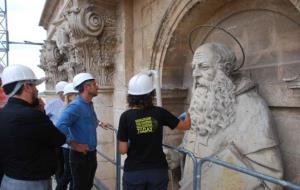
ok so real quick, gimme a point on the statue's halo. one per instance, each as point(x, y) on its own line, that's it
point(226, 32)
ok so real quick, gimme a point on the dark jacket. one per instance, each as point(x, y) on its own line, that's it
point(27, 141)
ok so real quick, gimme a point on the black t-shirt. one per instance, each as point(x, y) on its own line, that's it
point(143, 130)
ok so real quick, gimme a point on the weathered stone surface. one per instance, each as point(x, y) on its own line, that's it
point(154, 34)
point(231, 122)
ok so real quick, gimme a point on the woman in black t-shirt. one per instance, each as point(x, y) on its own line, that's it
point(140, 136)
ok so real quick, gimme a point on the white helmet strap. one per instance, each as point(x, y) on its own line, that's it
point(17, 87)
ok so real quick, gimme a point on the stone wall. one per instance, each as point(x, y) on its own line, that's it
point(154, 34)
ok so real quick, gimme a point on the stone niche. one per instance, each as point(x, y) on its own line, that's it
point(269, 33)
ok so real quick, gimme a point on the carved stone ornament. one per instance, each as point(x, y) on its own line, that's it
point(50, 60)
point(293, 83)
point(88, 44)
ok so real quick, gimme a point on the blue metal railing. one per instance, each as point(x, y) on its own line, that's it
point(197, 163)
point(117, 161)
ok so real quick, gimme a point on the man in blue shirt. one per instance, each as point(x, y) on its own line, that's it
point(78, 122)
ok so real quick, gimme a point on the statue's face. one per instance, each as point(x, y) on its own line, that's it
point(203, 65)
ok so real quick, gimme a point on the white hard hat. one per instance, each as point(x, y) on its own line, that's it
point(69, 88)
point(15, 73)
point(140, 84)
point(80, 78)
point(59, 87)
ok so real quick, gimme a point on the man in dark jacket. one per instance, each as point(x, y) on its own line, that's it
point(27, 137)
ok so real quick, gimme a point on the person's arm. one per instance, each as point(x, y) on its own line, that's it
point(39, 127)
point(186, 123)
point(123, 135)
point(123, 147)
point(67, 119)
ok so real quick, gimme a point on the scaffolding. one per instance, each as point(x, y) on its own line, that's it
point(4, 45)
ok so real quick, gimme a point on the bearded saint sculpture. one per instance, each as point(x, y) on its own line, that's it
point(231, 122)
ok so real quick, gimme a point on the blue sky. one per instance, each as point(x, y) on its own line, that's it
point(23, 24)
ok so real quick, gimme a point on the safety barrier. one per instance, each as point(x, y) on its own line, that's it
point(198, 163)
point(117, 161)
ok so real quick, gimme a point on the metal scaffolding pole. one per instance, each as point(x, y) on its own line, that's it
point(4, 39)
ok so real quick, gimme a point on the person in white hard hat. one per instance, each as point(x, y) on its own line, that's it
point(140, 136)
point(80, 120)
point(28, 138)
point(54, 107)
point(66, 177)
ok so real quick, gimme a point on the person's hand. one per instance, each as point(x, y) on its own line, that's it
point(104, 125)
point(39, 104)
point(83, 148)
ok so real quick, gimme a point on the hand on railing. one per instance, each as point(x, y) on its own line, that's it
point(105, 125)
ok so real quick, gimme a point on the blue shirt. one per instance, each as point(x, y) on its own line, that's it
point(78, 121)
point(53, 109)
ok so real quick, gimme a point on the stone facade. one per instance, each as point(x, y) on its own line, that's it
point(114, 39)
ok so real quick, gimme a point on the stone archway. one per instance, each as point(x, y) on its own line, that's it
point(270, 44)
point(173, 16)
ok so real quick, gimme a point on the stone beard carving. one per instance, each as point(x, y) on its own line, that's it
point(229, 121)
point(212, 107)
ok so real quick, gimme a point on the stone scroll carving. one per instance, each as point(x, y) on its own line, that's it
point(230, 121)
point(50, 61)
point(86, 37)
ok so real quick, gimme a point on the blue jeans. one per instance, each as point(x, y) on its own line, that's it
point(15, 184)
point(83, 169)
point(66, 177)
point(151, 179)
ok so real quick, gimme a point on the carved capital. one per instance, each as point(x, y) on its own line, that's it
point(84, 21)
point(50, 59)
point(86, 36)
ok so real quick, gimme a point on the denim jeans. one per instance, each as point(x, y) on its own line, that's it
point(150, 179)
point(14, 184)
point(83, 169)
point(66, 177)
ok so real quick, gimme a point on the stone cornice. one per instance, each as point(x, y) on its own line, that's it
point(47, 13)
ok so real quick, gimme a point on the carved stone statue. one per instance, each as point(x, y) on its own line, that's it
point(230, 121)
